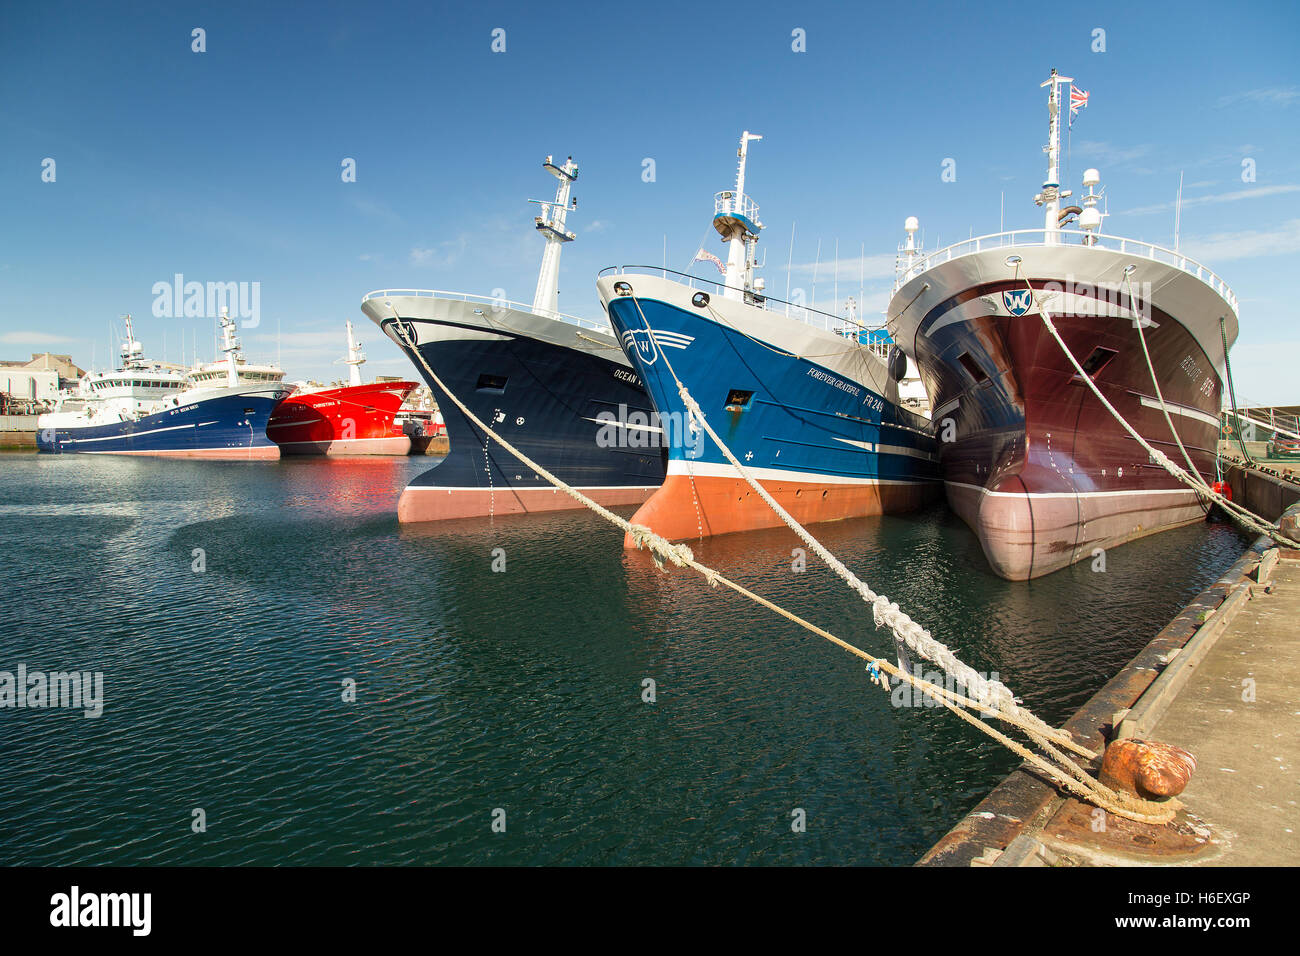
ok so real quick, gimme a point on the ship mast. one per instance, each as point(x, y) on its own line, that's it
point(132, 351)
point(735, 216)
point(551, 225)
point(230, 345)
point(1052, 195)
point(356, 358)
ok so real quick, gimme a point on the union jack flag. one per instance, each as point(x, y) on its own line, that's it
point(1078, 100)
point(703, 256)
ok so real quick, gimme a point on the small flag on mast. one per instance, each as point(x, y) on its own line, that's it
point(1078, 100)
point(703, 256)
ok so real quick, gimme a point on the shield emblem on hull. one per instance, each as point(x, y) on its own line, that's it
point(642, 343)
point(402, 331)
point(1018, 302)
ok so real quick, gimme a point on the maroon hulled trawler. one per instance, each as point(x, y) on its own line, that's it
point(1037, 466)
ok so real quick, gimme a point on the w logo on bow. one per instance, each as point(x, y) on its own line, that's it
point(1018, 302)
point(647, 342)
point(641, 342)
point(403, 331)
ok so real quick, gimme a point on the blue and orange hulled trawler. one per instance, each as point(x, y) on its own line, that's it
point(1034, 462)
point(219, 410)
point(808, 402)
point(543, 380)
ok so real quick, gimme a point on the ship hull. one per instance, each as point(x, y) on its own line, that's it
point(226, 426)
point(541, 384)
point(1034, 463)
point(820, 437)
point(353, 420)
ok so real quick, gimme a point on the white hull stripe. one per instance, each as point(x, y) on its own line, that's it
point(507, 490)
point(888, 449)
point(1070, 494)
point(123, 437)
point(341, 441)
point(945, 408)
point(630, 427)
point(705, 469)
point(1183, 410)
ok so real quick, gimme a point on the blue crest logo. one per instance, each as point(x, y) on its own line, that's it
point(402, 331)
point(641, 342)
point(1018, 302)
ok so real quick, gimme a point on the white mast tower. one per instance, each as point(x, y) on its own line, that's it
point(735, 216)
point(230, 345)
point(1052, 195)
point(356, 358)
point(132, 351)
point(551, 225)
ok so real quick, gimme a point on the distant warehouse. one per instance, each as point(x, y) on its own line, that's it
point(39, 379)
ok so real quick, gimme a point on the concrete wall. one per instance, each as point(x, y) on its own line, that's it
point(35, 384)
point(17, 431)
point(1263, 494)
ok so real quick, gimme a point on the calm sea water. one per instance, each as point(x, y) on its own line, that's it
point(518, 690)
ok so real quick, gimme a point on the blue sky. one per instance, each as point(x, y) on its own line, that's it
point(225, 165)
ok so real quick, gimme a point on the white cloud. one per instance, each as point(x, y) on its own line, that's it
point(1108, 154)
point(598, 225)
point(1253, 193)
point(870, 267)
point(443, 255)
point(28, 337)
point(375, 210)
point(1225, 246)
point(1268, 96)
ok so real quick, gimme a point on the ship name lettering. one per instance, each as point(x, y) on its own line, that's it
point(834, 382)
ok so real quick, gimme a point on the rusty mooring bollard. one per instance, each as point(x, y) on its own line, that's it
point(1150, 769)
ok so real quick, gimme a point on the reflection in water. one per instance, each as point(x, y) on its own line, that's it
point(520, 689)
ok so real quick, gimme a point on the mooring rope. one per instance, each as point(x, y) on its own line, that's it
point(1155, 383)
point(884, 611)
point(1069, 776)
point(909, 632)
point(1242, 514)
point(1232, 392)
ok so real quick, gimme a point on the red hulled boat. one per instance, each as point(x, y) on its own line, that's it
point(353, 419)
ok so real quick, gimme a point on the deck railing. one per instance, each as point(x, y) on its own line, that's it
point(909, 269)
point(839, 324)
point(492, 303)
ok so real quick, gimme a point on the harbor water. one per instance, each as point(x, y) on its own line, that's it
point(501, 668)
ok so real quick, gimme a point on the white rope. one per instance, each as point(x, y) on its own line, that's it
point(1068, 775)
point(884, 612)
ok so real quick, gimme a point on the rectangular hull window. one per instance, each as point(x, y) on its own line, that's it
point(738, 399)
point(1097, 361)
point(971, 366)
